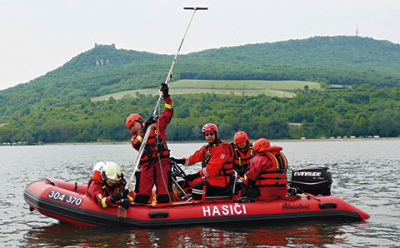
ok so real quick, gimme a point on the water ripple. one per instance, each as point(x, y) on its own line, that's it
point(365, 173)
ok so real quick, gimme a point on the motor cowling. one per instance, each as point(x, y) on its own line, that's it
point(313, 180)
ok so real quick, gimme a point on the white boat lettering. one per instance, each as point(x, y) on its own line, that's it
point(236, 209)
point(307, 173)
point(215, 211)
point(288, 206)
point(225, 210)
point(64, 198)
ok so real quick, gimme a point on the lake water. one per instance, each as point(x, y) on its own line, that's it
point(365, 173)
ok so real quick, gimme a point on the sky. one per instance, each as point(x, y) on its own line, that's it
point(38, 36)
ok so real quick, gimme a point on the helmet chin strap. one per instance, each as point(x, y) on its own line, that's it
point(216, 141)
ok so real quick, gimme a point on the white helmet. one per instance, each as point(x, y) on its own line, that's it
point(111, 171)
point(99, 166)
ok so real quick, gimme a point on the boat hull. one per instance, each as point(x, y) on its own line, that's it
point(67, 202)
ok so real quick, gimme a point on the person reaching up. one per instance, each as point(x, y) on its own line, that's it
point(154, 166)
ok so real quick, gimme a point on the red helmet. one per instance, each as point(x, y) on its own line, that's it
point(240, 137)
point(210, 127)
point(132, 118)
point(260, 144)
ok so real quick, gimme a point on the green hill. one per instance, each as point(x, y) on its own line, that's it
point(340, 60)
point(234, 87)
point(341, 52)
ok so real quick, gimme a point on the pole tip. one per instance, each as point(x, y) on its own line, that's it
point(196, 8)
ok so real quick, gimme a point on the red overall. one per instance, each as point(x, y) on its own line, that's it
point(242, 158)
point(101, 192)
point(268, 173)
point(217, 163)
point(155, 162)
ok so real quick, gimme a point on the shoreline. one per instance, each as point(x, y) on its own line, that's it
point(202, 141)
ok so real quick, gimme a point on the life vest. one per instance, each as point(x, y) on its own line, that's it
point(241, 160)
point(96, 176)
point(227, 167)
point(276, 175)
point(155, 147)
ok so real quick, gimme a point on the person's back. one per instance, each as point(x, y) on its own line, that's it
point(266, 178)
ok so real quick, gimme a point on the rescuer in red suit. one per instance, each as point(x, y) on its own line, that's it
point(155, 162)
point(243, 152)
point(266, 178)
point(106, 187)
point(217, 162)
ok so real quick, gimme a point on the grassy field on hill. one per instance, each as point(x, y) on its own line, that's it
point(237, 87)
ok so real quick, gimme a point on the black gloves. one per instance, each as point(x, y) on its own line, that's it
point(118, 196)
point(191, 177)
point(164, 89)
point(147, 124)
point(124, 204)
point(178, 160)
point(149, 121)
point(124, 193)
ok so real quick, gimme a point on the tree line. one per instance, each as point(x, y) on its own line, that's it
point(359, 111)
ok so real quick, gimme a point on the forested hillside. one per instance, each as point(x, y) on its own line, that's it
point(334, 60)
point(57, 107)
point(362, 112)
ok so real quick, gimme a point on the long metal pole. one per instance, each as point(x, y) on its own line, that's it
point(171, 70)
point(167, 80)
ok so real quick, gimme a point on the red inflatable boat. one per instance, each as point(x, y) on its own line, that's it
point(67, 202)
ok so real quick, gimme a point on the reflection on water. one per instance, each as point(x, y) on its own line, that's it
point(248, 235)
point(365, 173)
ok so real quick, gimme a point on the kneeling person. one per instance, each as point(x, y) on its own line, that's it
point(107, 186)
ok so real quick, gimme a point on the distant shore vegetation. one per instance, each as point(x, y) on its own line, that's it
point(362, 111)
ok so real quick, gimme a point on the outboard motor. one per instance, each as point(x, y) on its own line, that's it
point(313, 180)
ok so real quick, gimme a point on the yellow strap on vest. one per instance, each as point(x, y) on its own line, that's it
point(103, 202)
point(140, 138)
point(168, 106)
point(276, 160)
